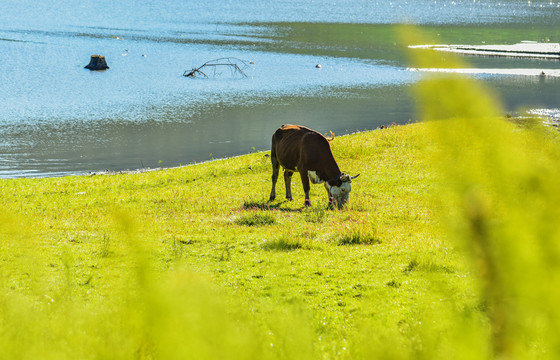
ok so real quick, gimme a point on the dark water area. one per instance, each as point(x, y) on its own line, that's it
point(57, 118)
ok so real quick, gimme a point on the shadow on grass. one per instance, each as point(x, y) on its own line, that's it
point(266, 205)
point(260, 205)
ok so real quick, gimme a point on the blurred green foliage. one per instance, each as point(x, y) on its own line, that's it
point(501, 198)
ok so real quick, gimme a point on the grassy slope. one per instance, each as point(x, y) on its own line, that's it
point(96, 242)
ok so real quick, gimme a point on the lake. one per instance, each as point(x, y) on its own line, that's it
point(57, 118)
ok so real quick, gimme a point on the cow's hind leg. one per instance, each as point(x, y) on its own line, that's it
point(288, 181)
point(275, 171)
point(306, 187)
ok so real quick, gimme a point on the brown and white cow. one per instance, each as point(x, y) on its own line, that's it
point(301, 149)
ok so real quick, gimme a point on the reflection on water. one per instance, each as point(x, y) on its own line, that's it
point(220, 130)
point(57, 118)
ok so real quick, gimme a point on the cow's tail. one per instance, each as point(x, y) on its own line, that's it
point(331, 138)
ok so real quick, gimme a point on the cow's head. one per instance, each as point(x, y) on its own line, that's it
point(340, 188)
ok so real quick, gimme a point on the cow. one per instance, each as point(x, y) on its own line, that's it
point(297, 148)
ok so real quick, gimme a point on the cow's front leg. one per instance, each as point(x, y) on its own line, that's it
point(331, 199)
point(288, 182)
point(306, 187)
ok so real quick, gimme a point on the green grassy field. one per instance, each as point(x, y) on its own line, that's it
point(95, 242)
point(194, 262)
point(447, 249)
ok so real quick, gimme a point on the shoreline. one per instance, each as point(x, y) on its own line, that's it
point(147, 169)
point(524, 49)
point(547, 118)
point(143, 170)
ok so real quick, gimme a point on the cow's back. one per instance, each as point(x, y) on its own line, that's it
point(292, 144)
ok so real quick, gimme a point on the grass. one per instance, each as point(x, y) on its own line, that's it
point(447, 249)
point(170, 264)
point(114, 257)
point(255, 219)
point(361, 234)
point(286, 244)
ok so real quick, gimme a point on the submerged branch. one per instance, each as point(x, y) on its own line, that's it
point(232, 63)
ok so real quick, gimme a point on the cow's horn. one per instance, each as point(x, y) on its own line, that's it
point(347, 178)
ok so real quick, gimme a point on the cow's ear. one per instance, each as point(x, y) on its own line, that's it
point(345, 178)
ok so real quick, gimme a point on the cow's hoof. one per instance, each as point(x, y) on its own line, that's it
point(289, 198)
point(307, 202)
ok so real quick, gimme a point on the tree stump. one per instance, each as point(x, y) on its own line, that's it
point(97, 62)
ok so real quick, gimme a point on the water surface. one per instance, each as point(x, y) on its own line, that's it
point(56, 118)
